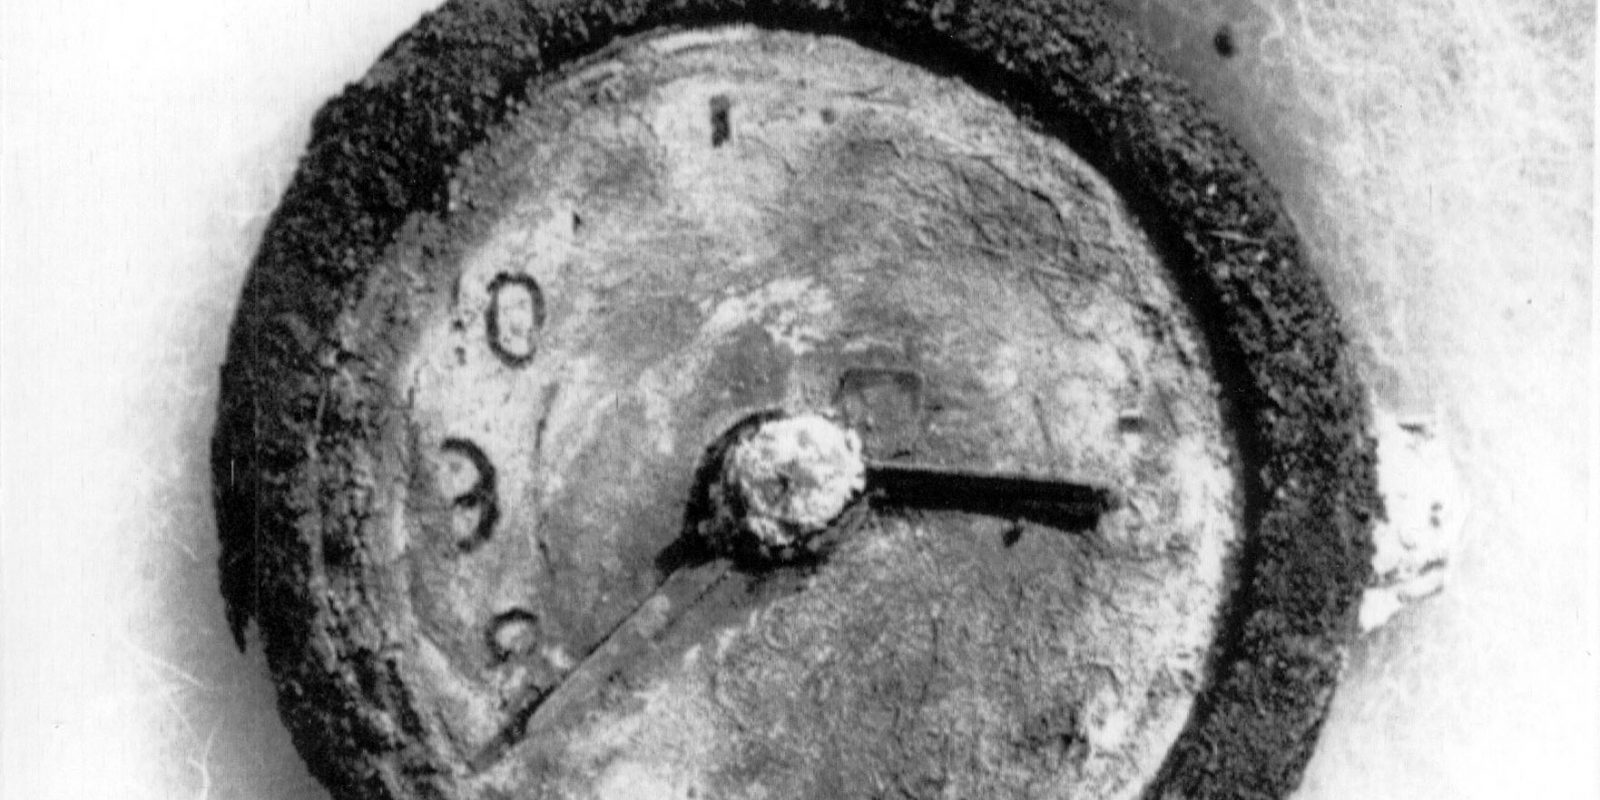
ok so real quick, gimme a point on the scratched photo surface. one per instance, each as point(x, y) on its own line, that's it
point(1436, 157)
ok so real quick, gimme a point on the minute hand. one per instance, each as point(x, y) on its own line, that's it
point(939, 486)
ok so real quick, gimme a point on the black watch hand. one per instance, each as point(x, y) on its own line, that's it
point(984, 491)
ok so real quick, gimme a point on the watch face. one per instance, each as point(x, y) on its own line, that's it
point(843, 410)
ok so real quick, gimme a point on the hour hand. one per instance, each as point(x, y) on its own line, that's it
point(985, 491)
point(787, 480)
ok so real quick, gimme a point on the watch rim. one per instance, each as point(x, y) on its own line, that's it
point(384, 151)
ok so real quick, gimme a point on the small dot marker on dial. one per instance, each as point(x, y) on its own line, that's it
point(513, 633)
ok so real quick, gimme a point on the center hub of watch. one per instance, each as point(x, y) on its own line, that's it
point(784, 482)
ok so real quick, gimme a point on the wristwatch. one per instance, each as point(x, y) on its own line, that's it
point(789, 399)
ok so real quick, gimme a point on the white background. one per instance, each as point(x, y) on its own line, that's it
point(1438, 157)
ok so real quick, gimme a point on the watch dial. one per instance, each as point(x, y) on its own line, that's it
point(942, 410)
point(698, 227)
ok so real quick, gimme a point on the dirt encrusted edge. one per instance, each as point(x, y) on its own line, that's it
point(300, 404)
